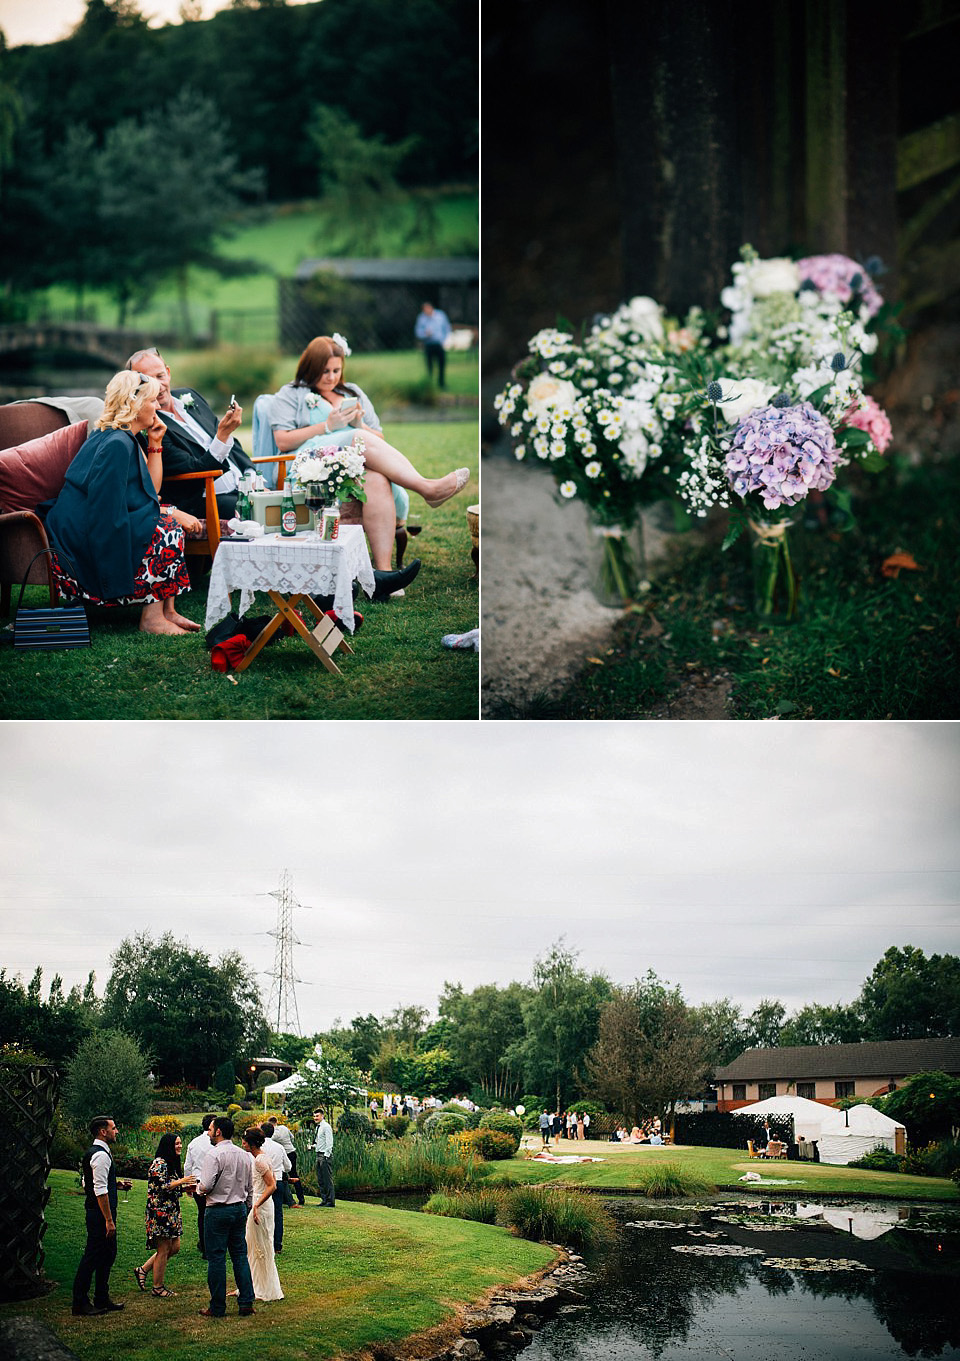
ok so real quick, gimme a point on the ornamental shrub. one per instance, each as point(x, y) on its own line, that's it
point(493, 1145)
point(226, 1076)
point(445, 1122)
point(68, 1145)
point(355, 1122)
point(266, 1079)
point(234, 1109)
point(506, 1123)
point(108, 1075)
point(397, 1125)
point(239, 1092)
point(878, 1160)
point(242, 1120)
point(163, 1124)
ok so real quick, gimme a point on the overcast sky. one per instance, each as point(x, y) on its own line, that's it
point(734, 859)
point(47, 21)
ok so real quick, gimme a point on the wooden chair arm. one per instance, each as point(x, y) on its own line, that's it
point(209, 475)
point(281, 461)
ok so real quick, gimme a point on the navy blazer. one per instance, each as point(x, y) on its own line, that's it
point(106, 514)
point(183, 454)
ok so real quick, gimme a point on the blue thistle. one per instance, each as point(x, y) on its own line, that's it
point(781, 400)
point(714, 392)
point(856, 282)
point(808, 286)
point(838, 363)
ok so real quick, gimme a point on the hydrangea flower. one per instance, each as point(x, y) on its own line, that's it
point(870, 416)
point(833, 276)
point(782, 453)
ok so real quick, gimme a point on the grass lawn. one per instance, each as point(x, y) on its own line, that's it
point(870, 647)
point(400, 669)
point(278, 237)
point(352, 1277)
point(624, 1166)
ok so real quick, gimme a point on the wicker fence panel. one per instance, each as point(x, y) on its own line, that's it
point(28, 1096)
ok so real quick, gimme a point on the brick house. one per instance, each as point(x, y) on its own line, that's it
point(829, 1072)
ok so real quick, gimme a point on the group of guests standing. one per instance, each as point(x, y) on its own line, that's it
point(239, 1191)
point(557, 1125)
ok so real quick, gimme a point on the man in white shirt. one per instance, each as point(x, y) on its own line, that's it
point(194, 442)
point(100, 1194)
point(280, 1165)
point(285, 1139)
point(323, 1146)
point(197, 1150)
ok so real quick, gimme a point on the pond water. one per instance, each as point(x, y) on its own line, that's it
point(756, 1281)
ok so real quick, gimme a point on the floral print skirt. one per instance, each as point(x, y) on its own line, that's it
point(161, 574)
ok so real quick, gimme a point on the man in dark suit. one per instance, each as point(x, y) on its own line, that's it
point(100, 1196)
point(195, 441)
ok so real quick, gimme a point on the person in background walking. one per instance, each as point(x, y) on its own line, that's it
point(544, 1123)
point(226, 1179)
point(284, 1138)
point(100, 1196)
point(431, 329)
point(197, 1150)
point(280, 1163)
point(323, 1145)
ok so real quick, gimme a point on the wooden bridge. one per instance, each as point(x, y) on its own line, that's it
point(106, 345)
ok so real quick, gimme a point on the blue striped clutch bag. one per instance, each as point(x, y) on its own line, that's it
point(48, 629)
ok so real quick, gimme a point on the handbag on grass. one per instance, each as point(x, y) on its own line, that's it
point(62, 626)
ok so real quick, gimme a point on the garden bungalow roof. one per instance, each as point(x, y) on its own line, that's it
point(455, 269)
point(877, 1058)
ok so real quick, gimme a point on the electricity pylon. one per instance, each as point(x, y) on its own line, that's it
point(282, 1006)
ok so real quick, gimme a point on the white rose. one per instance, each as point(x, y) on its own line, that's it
point(547, 392)
point(644, 314)
point(778, 275)
point(742, 395)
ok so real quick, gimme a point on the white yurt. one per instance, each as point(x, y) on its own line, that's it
point(807, 1115)
point(848, 1135)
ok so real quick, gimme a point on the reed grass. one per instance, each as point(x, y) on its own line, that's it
point(481, 1204)
point(415, 1164)
point(555, 1214)
point(667, 1181)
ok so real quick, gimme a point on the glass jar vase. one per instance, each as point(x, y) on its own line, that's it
point(617, 562)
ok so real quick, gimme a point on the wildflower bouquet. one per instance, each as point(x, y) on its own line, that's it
point(337, 472)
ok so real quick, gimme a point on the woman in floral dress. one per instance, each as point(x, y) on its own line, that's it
point(165, 1186)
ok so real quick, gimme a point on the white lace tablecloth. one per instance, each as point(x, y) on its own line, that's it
point(303, 565)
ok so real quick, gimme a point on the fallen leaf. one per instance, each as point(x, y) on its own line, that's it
point(832, 671)
point(892, 566)
point(596, 661)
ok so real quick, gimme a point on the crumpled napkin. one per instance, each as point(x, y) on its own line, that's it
point(463, 642)
point(250, 529)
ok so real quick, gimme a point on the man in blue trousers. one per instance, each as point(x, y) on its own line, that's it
point(226, 1179)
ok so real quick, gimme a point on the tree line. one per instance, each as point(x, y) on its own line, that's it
point(564, 1036)
point(126, 174)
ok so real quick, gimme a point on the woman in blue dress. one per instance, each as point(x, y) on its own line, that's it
point(319, 407)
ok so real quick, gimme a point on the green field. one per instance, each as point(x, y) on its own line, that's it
point(623, 1169)
point(352, 1277)
point(400, 669)
point(277, 238)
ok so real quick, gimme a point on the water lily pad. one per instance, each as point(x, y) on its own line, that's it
point(815, 1264)
point(718, 1250)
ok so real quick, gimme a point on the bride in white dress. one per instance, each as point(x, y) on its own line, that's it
point(263, 1266)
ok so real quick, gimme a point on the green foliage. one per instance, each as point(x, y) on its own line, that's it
point(943, 1159)
point(108, 1075)
point(191, 1012)
point(328, 1080)
point(552, 1214)
point(506, 1124)
point(667, 1181)
point(816, 1024)
point(397, 1125)
point(68, 1144)
point(355, 1122)
point(879, 1160)
point(358, 175)
point(560, 1017)
point(493, 1145)
point(481, 1204)
point(220, 373)
point(908, 996)
point(444, 1122)
point(225, 1078)
point(408, 1164)
point(52, 1028)
point(266, 1078)
point(649, 1053)
point(487, 1033)
point(928, 1104)
point(242, 1120)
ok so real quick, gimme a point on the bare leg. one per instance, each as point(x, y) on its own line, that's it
point(149, 1263)
point(384, 458)
point(153, 620)
point(170, 613)
point(379, 519)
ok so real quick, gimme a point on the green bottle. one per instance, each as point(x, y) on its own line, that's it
point(288, 515)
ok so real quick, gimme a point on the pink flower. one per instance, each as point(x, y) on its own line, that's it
point(831, 275)
point(872, 418)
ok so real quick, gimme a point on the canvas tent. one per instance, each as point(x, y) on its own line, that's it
point(807, 1115)
point(848, 1135)
point(280, 1088)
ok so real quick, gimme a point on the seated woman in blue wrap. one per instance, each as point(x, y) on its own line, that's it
point(113, 543)
point(320, 408)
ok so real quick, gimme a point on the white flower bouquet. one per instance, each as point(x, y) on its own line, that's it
point(337, 471)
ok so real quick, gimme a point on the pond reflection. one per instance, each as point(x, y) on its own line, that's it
point(839, 1282)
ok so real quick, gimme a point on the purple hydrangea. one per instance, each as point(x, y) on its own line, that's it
point(833, 276)
point(782, 453)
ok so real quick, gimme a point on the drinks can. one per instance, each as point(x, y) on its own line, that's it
point(330, 522)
